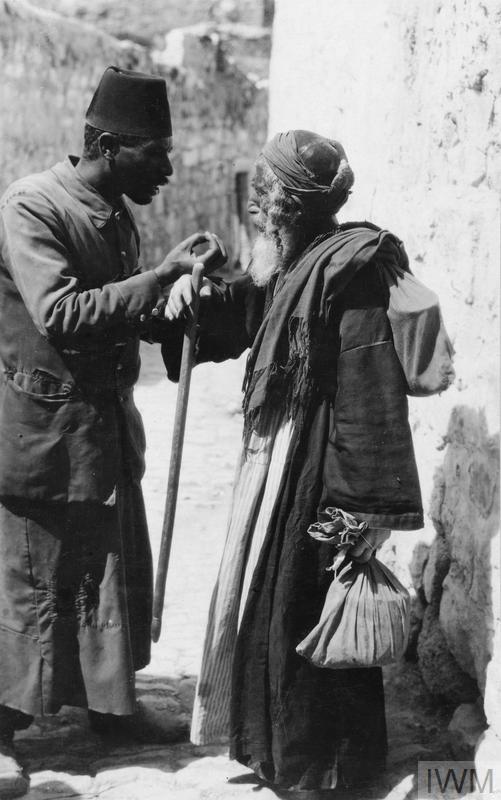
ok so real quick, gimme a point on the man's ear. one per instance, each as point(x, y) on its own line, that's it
point(109, 145)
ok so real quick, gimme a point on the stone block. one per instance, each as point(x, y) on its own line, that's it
point(436, 568)
point(465, 729)
point(167, 714)
point(464, 627)
point(440, 671)
point(416, 622)
point(186, 693)
point(418, 563)
point(470, 519)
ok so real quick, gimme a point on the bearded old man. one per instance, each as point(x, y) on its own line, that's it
point(75, 567)
point(325, 424)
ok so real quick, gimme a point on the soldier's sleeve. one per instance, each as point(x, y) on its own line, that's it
point(37, 256)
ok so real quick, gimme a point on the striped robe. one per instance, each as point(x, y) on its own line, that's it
point(254, 495)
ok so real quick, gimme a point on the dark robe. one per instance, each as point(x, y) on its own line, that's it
point(322, 350)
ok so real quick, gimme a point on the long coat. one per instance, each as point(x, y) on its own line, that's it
point(72, 300)
point(298, 725)
point(72, 303)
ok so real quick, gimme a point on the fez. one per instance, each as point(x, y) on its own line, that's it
point(131, 103)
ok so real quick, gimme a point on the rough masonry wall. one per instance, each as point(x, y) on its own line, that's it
point(50, 67)
point(219, 120)
point(145, 21)
point(412, 90)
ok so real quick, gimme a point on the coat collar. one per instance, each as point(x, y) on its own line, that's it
point(99, 210)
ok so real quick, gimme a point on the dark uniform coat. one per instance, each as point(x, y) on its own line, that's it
point(75, 564)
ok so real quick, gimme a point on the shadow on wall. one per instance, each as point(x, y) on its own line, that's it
point(454, 614)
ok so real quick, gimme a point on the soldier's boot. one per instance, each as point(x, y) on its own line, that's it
point(144, 727)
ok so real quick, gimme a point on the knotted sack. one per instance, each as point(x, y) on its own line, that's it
point(364, 621)
point(421, 342)
point(365, 618)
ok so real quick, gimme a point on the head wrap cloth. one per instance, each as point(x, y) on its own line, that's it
point(309, 164)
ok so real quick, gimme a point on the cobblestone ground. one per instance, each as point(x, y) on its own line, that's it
point(65, 760)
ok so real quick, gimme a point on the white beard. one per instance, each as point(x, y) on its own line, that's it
point(266, 260)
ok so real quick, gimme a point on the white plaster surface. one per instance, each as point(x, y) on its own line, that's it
point(412, 91)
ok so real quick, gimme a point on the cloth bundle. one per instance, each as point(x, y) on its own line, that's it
point(365, 618)
point(419, 336)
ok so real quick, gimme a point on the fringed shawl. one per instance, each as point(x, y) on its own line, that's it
point(279, 366)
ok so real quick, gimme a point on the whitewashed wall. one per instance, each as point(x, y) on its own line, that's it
point(412, 91)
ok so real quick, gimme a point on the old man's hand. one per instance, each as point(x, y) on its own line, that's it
point(180, 260)
point(181, 296)
point(368, 543)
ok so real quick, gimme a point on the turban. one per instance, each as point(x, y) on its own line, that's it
point(309, 164)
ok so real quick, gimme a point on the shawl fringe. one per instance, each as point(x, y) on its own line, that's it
point(290, 385)
point(279, 366)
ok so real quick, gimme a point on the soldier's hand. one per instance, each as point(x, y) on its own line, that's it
point(215, 255)
point(181, 296)
point(180, 260)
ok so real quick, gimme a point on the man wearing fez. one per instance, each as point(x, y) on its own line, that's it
point(325, 424)
point(75, 565)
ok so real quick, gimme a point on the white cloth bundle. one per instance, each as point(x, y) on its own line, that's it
point(365, 618)
point(421, 341)
point(364, 621)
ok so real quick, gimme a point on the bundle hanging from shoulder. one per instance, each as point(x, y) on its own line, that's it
point(365, 618)
point(421, 342)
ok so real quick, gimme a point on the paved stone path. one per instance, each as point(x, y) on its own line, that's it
point(65, 760)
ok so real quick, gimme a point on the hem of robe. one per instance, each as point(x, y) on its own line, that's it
point(75, 606)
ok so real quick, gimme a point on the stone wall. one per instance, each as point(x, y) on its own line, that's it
point(144, 21)
point(248, 12)
point(220, 120)
point(412, 90)
point(458, 579)
point(50, 66)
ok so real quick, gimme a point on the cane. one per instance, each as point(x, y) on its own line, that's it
point(176, 454)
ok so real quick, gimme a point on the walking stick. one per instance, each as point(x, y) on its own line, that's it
point(176, 454)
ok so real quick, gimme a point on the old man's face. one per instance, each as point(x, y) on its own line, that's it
point(266, 258)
